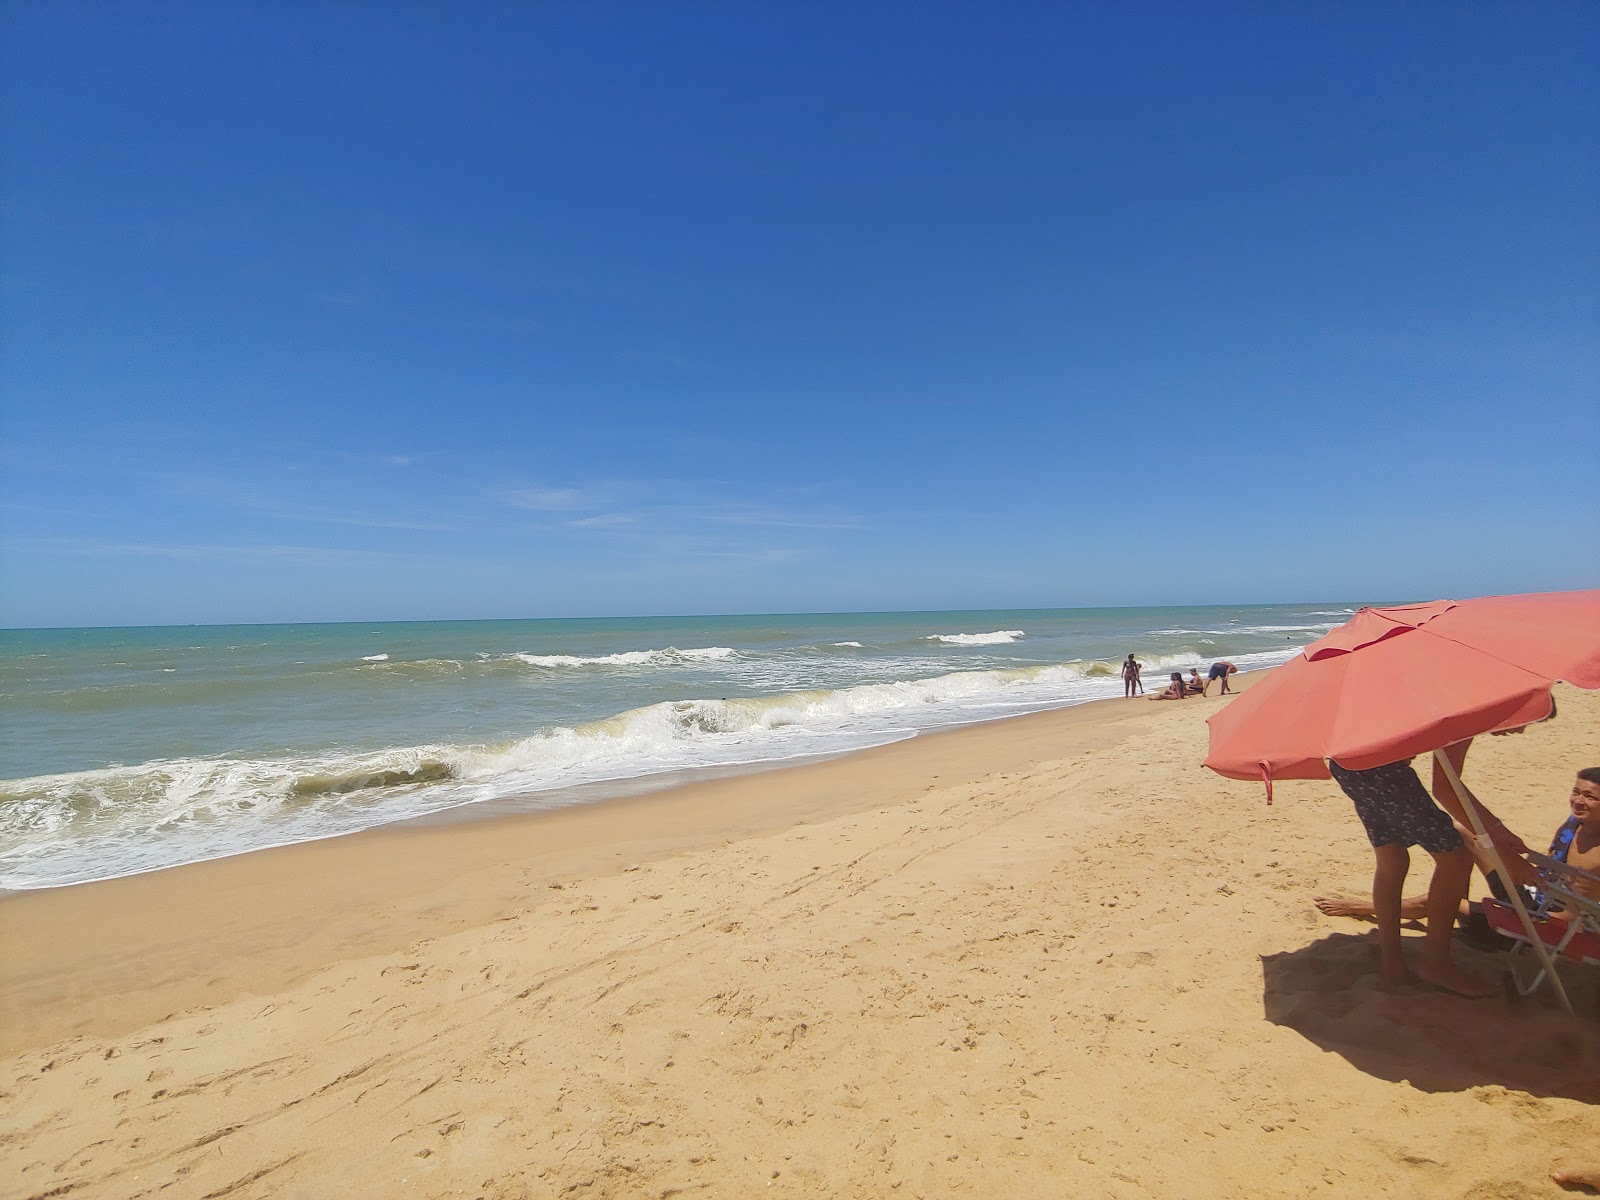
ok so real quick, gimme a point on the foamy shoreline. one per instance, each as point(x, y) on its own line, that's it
point(137, 750)
point(985, 960)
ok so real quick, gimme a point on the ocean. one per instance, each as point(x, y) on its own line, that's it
point(129, 750)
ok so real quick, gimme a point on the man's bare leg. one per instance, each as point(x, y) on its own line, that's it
point(1452, 870)
point(1388, 882)
point(1412, 908)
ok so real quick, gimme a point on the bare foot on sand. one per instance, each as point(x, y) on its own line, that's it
point(1345, 906)
point(1588, 1177)
point(1463, 983)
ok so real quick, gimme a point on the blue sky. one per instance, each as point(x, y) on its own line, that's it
point(384, 311)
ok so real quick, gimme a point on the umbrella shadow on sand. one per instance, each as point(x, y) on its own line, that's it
point(1328, 992)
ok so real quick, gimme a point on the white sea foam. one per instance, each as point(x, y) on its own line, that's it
point(122, 820)
point(787, 694)
point(1000, 637)
point(669, 657)
point(1309, 625)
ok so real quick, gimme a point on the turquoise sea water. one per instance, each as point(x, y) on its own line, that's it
point(127, 750)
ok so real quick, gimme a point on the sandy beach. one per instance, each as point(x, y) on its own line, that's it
point(1051, 955)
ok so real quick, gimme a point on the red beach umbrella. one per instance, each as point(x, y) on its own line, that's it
point(1392, 683)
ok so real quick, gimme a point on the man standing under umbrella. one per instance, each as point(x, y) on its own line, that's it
point(1397, 813)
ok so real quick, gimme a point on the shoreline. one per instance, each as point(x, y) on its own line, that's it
point(547, 800)
point(88, 921)
point(965, 961)
point(550, 799)
point(211, 744)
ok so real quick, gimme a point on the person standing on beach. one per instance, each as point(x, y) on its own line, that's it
point(1131, 684)
point(1397, 813)
point(1219, 670)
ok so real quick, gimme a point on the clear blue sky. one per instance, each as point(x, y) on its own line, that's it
point(383, 311)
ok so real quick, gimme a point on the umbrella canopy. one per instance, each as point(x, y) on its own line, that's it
point(1392, 683)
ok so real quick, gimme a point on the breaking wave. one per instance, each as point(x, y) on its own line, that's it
point(121, 820)
point(1000, 637)
point(670, 657)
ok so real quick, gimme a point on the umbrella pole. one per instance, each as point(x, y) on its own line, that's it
point(1512, 889)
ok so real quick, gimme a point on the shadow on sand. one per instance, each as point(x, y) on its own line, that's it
point(1328, 993)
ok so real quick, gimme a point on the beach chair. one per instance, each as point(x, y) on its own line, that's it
point(1577, 938)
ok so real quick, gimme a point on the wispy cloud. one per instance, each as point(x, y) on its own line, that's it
point(683, 550)
point(97, 548)
point(671, 506)
point(662, 358)
point(545, 499)
point(251, 500)
point(774, 518)
point(367, 522)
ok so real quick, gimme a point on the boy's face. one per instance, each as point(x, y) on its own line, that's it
point(1585, 800)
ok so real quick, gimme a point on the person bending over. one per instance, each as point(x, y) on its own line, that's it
point(1219, 670)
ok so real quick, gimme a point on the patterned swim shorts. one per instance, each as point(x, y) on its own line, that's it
point(1395, 807)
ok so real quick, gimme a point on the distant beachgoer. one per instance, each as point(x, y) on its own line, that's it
point(1131, 684)
point(1219, 670)
point(1196, 685)
point(1397, 813)
point(1175, 689)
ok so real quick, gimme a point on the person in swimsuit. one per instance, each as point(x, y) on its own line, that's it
point(1397, 813)
point(1131, 684)
point(1175, 689)
point(1577, 842)
point(1219, 670)
point(1196, 685)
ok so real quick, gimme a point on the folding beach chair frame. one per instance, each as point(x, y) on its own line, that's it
point(1540, 947)
point(1579, 933)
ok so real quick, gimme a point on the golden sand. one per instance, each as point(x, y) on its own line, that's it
point(1048, 956)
